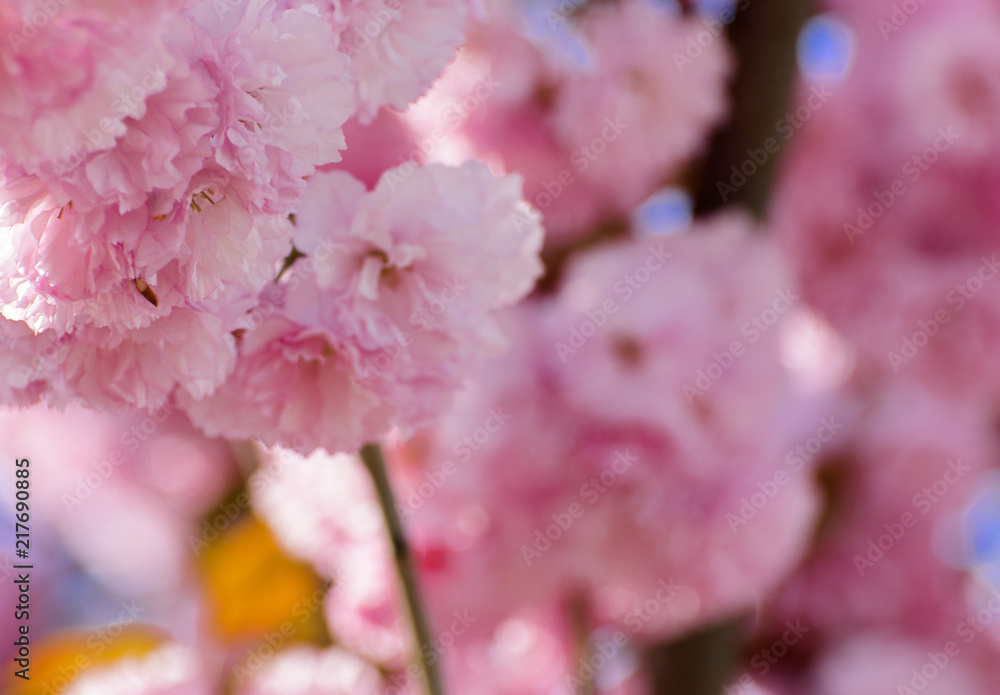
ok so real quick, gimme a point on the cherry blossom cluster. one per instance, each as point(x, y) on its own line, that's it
point(312, 224)
point(161, 173)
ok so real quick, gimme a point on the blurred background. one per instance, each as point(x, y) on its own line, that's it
point(743, 438)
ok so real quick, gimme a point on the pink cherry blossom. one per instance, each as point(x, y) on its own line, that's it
point(173, 669)
point(68, 266)
point(877, 663)
point(28, 363)
point(158, 152)
point(645, 107)
point(897, 249)
point(324, 510)
point(888, 554)
point(507, 121)
point(68, 83)
point(310, 671)
point(285, 94)
point(397, 48)
point(387, 315)
point(616, 447)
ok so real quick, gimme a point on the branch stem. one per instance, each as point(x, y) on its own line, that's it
point(371, 455)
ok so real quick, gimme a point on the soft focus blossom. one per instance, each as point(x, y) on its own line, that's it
point(324, 509)
point(618, 427)
point(888, 556)
point(170, 670)
point(892, 235)
point(879, 663)
point(156, 470)
point(305, 671)
point(645, 107)
point(586, 101)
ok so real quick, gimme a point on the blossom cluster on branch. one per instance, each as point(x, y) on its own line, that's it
point(632, 432)
point(159, 181)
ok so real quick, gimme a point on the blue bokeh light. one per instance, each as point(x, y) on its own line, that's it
point(668, 211)
point(547, 24)
point(825, 47)
point(983, 527)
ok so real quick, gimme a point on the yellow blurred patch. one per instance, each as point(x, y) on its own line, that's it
point(256, 591)
point(61, 657)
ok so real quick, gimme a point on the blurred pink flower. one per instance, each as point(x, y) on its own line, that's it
point(173, 669)
point(605, 448)
point(311, 671)
point(375, 147)
point(89, 471)
point(892, 236)
point(323, 508)
point(888, 556)
point(595, 111)
point(645, 107)
point(872, 664)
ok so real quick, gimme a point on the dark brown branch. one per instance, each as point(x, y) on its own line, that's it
point(763, 36)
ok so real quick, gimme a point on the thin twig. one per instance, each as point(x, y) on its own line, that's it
point(698, 663)
point(582, 643)
point(371, 455)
